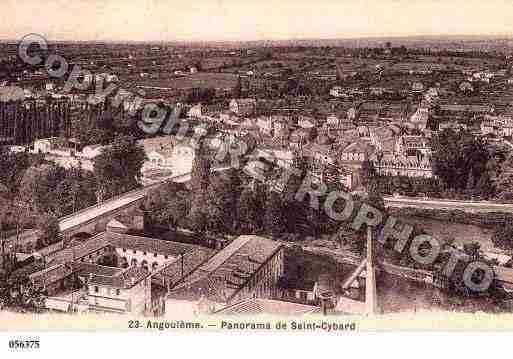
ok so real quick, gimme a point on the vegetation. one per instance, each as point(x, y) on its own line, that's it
point(118, 168)
point(503, 236)
point(460, 159)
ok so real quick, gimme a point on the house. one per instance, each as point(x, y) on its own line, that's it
point(55, 146)
point(17, 149)
point(281, 127)
point(466, 86)
point(45, 145)
point(333, 120)
point(265, 125)
point(420, 117)
point(432, 93)
point(195, 111)
point(417, 86)
point(306, 122)
point(92, 151)
point(337, 91)
point(167, 152)
point(383, 138)
point(403, 165)
point(297, 290)
point(282, 158)
point(453, 125)
point(460, 109)
point(117, 273)
point(358, 152)
point(120, 291)
point(299, 138)
point(243, 107)
point(182, 158)
point(499, 126)
point(408, 144)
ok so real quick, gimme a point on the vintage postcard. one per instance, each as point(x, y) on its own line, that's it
point(219, 165)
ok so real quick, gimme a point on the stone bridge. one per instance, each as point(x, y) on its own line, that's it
point(94, 219)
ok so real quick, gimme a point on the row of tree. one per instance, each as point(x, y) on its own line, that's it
point(21, 122)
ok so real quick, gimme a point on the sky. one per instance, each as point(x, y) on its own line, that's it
point(210, 20)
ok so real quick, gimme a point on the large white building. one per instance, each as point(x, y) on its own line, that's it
point(243, 106)
point(249, 267)
point(167, 152)
point(117, 272)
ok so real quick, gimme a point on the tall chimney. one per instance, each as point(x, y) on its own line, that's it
point(371, 302)
point(324, 307)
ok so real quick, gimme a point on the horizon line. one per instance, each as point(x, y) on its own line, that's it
point(291, 39)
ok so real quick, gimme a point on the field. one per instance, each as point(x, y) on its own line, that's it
point(198, 80)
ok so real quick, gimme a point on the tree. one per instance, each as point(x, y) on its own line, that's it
point(221, 203)
point(484, 186)
point(38, 183)
point(75, 191)
point(18, 294)
point(472, 249)
point(168, 206)
point(455, 155)
point(12, 167)
point(249, 210)
point(503, 236)
point(367, 172)
point(48, 226)
point(200, 174)
point(374, 196)
point(504, 180)
point(470, 183)
point(197, 217)
point(95, 124)
point(118, 168)
point(273, 215)
point(237, 90)
point(51, 188)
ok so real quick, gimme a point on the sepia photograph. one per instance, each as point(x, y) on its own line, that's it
point(255, 166)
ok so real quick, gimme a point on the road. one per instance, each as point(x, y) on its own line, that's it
point(467, 206)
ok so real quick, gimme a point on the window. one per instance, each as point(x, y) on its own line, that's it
point(124, 249)
point(166, 257)
point(96, 289)
point(135, 251)
point(144, 253)
point(155, 255)
point(90, 256)
point(118, 292)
